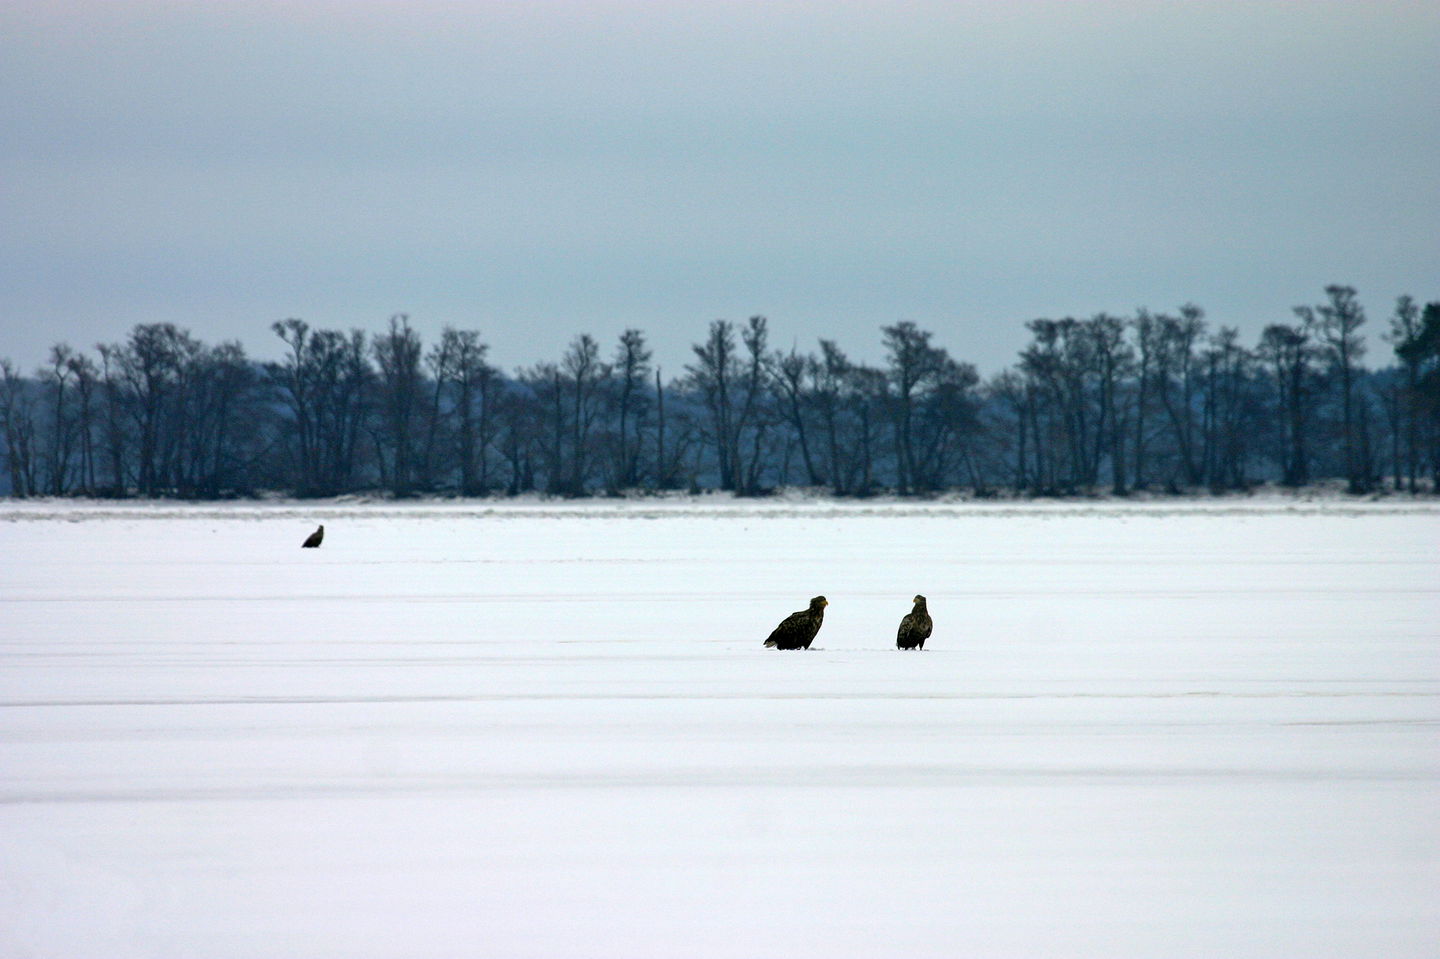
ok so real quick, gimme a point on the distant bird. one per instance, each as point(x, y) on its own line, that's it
point(314, 539)
point(915, 627)
point(798, 630)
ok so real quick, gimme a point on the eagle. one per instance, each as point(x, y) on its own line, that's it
point(313, 540)
point(798, 630)
point(915, 627)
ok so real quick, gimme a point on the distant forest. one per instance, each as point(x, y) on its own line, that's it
point(1108, 404)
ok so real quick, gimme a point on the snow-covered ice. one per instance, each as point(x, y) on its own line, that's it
point(535, 730)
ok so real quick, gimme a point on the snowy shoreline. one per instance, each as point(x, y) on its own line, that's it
point(790, 504)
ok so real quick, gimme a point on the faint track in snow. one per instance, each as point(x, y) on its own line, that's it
point(688, 695)
point(837, 776)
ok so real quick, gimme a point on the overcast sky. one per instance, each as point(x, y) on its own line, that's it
point(540, 169)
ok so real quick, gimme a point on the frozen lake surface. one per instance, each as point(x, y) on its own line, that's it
point(524, 730)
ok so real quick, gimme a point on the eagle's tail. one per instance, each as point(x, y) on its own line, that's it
point(771, 642)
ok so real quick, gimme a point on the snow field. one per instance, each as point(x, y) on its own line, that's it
point(530, 731)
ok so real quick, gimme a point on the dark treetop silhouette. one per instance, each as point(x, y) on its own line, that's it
point(1154, 402)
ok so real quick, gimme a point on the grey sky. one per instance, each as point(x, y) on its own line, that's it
point(536, 169)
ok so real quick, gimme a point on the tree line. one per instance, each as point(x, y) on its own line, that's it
point(1150, 401)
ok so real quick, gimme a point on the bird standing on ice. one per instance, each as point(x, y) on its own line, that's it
point(314, 539)
point(915, 627)
point(798, 630)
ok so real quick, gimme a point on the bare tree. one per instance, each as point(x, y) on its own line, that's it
point(830, 375)
point(324, 382)
point(1146, 336)
point(1336, 323)
point(677, 436)
point(584, 377)
point(216, 405)
point(755, 413)
point(1288, 351)
point(730, 387)
point(434, 461)
point(115, 438)
point(1177, 381)
point(713, 376)
point(1405, 330)
point(948, 423)
point(1062, 362)
point(295, 377)
point(55, 379)
point(1423, 351)
point(17, 417)
point(87, 376)
point(459, 363)
point(1228, 406)
point(520, 418)
point(1014, 393)
point(154, 366)
point(542, 407)
point(1113, 357)
point(791, 376)
point(663, 475)
point(631, 369)
point(397, 356)
point(915, 367)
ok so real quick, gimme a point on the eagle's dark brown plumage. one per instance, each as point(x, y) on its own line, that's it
point(314, 539)
point(915, 627)
point(798, 630)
